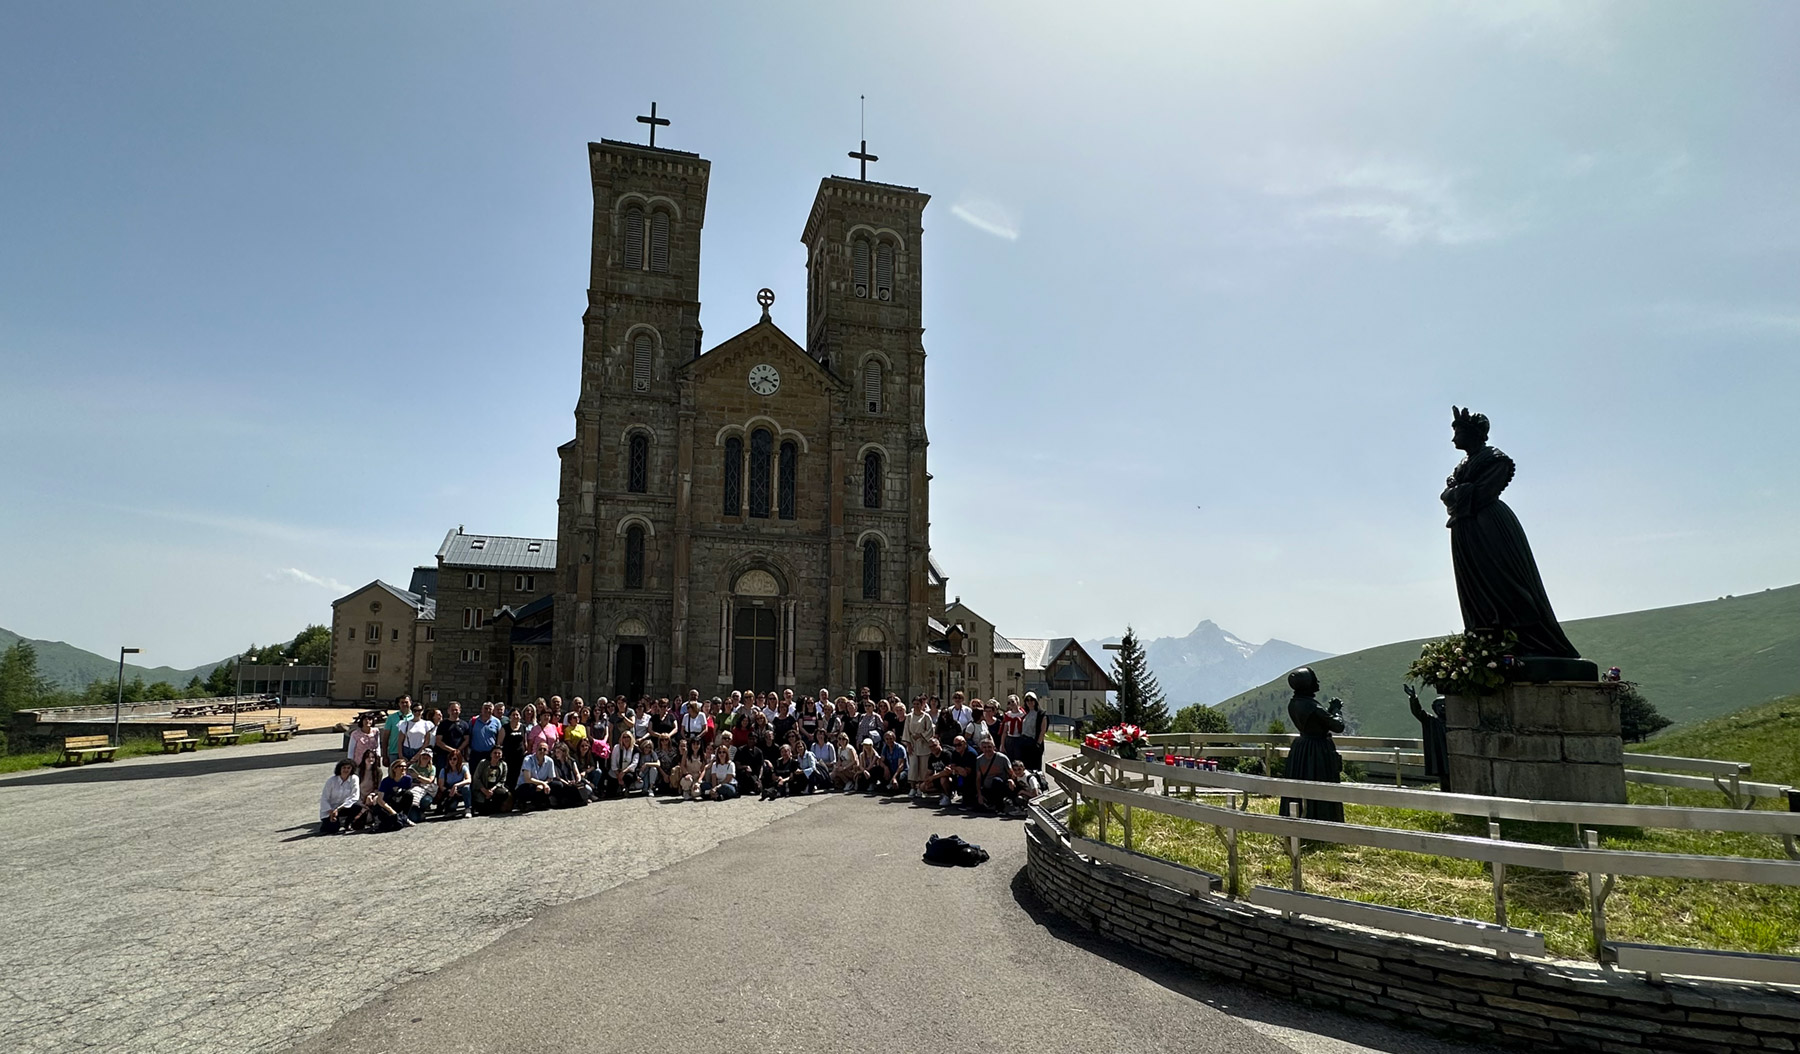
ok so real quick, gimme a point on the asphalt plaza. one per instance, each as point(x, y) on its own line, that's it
point(183, 904)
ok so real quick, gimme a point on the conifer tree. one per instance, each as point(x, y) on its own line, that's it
point(1140, 697)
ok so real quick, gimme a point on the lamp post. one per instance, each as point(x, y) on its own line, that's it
point(289, 664)
point(119, 699)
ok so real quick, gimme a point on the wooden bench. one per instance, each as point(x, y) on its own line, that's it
point(279, 731)
point(78, 750)
point(221, 734)
point(176, 740)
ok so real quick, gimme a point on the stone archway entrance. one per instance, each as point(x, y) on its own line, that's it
point(631, 660)
point(871, 660)
point(756, 634)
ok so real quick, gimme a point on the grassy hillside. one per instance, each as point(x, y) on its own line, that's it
point(1694, 662)
point(1766, 736)
point(67, 666)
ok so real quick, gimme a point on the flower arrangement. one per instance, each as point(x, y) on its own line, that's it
point(1469, 664)
point(1123, 740)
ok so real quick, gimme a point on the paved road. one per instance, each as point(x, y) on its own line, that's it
point(178, 904)
point(825, 932)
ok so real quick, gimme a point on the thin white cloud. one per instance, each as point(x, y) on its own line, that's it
point(1730, 320)
point(294, 574)
point(1578, 33)
point(987, 216)
point(1403, 202)
point(293, 534)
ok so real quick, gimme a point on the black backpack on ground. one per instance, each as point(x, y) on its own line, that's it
point(953, 852)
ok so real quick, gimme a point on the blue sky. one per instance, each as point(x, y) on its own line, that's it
point(286, 291)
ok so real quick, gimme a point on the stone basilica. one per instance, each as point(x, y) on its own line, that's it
point(754, 515)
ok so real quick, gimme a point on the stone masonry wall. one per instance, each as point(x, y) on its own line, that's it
point(1557, 741)
point(1409, 981)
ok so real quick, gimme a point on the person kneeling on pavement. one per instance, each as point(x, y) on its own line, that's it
point(535, 774)
point(340, 803)
point(492, 795)
point(994, 789)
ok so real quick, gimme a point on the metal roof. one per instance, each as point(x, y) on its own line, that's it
point(1038, 651)
point(413, 600)
point(1002, 646)
point(497, 550)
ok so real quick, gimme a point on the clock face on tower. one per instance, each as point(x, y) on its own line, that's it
point(764, 379)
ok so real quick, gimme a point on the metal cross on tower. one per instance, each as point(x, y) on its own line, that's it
point(653, 121)
point(865, 157)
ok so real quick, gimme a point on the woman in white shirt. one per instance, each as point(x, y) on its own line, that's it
point(622, 767)
point(721, 777)
point(340, 803)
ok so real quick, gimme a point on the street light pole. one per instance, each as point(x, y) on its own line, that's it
point(119, 699)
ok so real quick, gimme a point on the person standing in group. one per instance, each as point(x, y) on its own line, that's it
point(416, 732)
point(484, 733)
point(403, 709)
point(363, 739)
point(1034, 725)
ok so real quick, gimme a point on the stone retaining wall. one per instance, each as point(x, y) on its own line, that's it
point(1410, 981)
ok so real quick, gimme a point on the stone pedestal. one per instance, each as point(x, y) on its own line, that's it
point(1557, 741)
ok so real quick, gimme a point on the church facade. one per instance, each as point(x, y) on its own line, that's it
point(755, 515)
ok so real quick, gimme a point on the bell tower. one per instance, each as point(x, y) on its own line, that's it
point(864, 323)
point(641, 324)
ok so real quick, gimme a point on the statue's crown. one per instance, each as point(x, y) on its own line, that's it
point(1462, 416)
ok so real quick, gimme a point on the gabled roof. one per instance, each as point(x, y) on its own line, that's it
point(766, 329)
point(410, 599)
point(497, 550)
point(1041, 651)
point(1002, 646)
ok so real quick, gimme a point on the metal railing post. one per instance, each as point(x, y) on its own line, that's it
point(1499, 867)
point(1294, 850)
point(1125, 822)
point(1600, 886)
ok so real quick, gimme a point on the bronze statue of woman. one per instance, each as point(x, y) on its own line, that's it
point(1497, 579)
point(1314, 756)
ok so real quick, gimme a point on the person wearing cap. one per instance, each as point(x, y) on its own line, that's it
point(875, 774)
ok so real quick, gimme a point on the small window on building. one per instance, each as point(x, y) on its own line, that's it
point(634, 557)
point(470, 620)
point(640, 362)
point(871, 570)
point(374, 633)
point(734, 477)
point(884, 271)
point(789, 468)
point(872, 480)
point(634, 239)
point(481, 581)
point(859, 267)
point(372, 661)
point(872, 386)
point(478, 544)
point(637, 464)
point(431, 633)
point(396, 634)
point(659, 241)
point(350, 633)
point(369, 691)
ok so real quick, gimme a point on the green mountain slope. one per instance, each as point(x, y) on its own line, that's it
point(69, 667)
point(1766, 736)
point(1694, 662)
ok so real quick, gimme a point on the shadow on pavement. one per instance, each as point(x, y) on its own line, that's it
point(1228, 996)
point(110, 772)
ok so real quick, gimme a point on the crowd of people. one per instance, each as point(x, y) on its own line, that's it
point(419, 762)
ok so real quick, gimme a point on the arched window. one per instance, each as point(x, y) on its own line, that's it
point(859, 266)
point(872, 480)
point(884, 271)
point(640, 362)
point(790, 467)
point(761, 447)
point(872, 386)
point(634, 557)
point(659, 241)
point(734, 476)
point(637, 464)
point(871, 570)
point(634, 239)
point(524, 676)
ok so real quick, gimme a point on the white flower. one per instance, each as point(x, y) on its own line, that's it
point(1493, 666)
